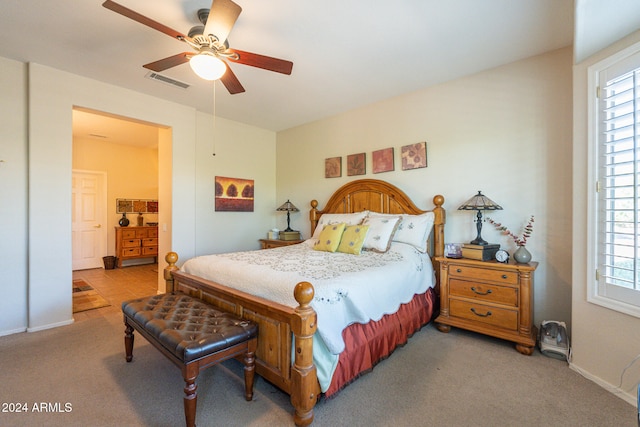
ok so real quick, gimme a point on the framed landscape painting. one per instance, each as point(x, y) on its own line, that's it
point(234, 194)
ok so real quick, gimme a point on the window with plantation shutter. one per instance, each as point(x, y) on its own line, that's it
point(617, 170)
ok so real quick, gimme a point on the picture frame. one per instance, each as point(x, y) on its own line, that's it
point(414, 156)
point(234, 194)
point(333, 167)
point(356, 164)
point(382, 160)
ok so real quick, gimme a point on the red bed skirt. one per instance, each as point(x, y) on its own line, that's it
point(368, 344)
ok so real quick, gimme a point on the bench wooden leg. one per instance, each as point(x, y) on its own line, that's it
point(128, 340)
point(249, 368)
point(190, 395)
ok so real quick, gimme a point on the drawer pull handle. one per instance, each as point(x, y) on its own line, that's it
point(504, 276)
point(473, 288)
point(473, 310)
point(458, 270)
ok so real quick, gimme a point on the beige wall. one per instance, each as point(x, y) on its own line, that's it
point(506, 131)
point(38, 102)
point(132, 173)
point(604, 340)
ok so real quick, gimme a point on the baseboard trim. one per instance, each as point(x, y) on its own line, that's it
point(12, 331)
point(50, 326)
point(622, 394)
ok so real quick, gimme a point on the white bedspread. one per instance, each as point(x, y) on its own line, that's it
point(348, 288)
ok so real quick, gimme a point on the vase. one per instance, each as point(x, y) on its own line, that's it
point(140, 220)
point(124, 221)
point(522, 255)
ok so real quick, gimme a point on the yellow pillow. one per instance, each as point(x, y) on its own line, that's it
point(329, 238)
point(353, 239)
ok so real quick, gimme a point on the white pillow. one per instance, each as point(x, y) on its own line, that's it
point(413, 229)
point(381, 230)
point(348, 219)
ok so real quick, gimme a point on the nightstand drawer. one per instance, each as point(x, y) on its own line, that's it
point(476, 273)
point(484, 292)
point(500, 317)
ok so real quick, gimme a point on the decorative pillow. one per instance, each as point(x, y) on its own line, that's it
point(413, 229)
point(381, 230)
point(353, 239)
point(348, 219)
point(329, 238)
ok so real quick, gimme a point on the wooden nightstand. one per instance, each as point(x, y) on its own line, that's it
point(270, 243)
point(490, 298)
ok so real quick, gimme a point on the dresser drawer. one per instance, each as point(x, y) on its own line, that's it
point(129, 234)
point(500, 317)
point(150, 242)
point(142, 233)
point(130, 243)
point(149, 250)
point(484, 292)
point(477, 273)
point(127, 252)
point(152, 232)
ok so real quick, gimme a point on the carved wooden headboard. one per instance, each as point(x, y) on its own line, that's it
point(380, 196)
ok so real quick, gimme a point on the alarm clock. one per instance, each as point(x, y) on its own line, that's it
point(502, 256)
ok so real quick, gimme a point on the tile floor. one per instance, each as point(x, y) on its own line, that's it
point(117, 285)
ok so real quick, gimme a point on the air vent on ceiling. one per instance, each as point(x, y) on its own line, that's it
point(168, 80)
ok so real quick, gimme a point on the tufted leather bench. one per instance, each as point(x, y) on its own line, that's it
point(193, 335)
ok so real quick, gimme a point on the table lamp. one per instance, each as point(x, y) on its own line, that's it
point(479, 203)
point(288, 207)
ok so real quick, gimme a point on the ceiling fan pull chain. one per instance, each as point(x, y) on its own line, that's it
point(214, 118)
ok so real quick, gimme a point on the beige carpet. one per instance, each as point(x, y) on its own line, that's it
point(86, 298)
point(455, 379)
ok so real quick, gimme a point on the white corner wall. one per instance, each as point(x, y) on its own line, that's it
point(506, 131)
point(13, 195)
point(604, 340)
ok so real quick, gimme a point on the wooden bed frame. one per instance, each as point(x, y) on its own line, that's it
point(278, 323)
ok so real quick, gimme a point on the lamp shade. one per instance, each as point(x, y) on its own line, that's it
point(207, 66)
point(288, 207)
point(480, 202)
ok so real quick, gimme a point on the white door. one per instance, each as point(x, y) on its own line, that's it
point(89, 218)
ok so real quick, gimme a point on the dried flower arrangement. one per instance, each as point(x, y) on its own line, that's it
point(519, 241)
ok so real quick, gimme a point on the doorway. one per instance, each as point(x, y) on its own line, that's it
point(124, 153)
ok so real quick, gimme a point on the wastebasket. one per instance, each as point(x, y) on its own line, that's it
point(109, 262)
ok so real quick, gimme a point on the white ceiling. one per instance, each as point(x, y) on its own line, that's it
point(346, 54)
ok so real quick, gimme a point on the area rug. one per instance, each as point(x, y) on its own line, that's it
point(86, 298)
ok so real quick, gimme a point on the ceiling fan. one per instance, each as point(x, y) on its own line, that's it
point(210, 45)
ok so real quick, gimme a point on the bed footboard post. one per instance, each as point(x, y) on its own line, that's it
point(304, 381)
point(171, 259)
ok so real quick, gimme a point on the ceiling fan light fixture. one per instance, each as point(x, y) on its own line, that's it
point(207, 66)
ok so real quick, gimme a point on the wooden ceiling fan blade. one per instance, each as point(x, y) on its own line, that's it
point(231, 82)
point(124, 11)
point(261, 61)
point(166, 63)
point(222, 16)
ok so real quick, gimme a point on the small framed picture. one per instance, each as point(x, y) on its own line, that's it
point(356, 164)
point(453, 250)
point(333, 167)
point(382, 160)
point(414, 156)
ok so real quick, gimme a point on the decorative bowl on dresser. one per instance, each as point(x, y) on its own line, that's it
point(488, 297)
point(136, 242)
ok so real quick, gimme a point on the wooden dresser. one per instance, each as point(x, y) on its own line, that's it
point(136, 242)
point(490, 298)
